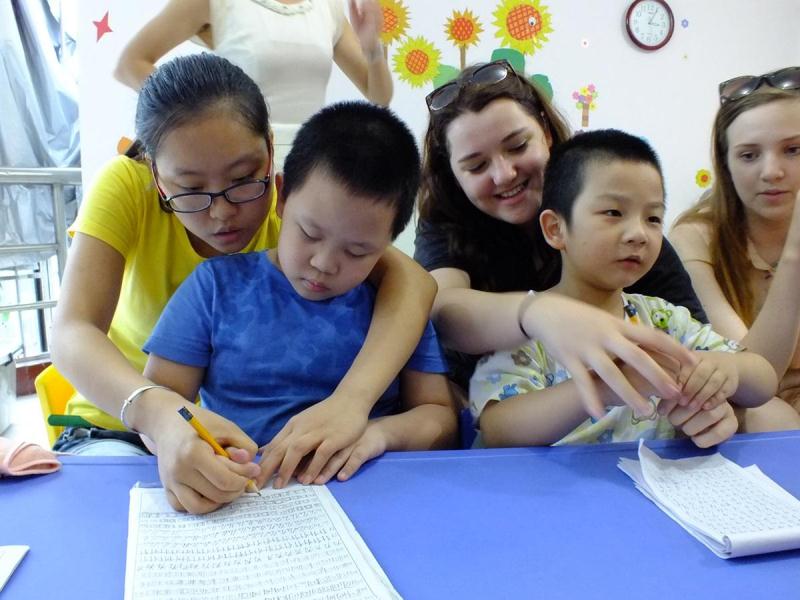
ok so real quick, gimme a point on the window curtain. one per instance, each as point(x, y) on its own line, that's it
point(38, 121)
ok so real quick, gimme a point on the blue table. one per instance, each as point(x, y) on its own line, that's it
point(516, 523)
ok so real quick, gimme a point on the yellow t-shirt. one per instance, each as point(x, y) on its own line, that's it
point(122, 210)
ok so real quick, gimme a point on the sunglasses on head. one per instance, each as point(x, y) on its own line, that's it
point(488, 74)
point(739, 87)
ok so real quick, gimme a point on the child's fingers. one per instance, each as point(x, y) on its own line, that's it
point(322, 455)
point(334, 464)
point(291, 458)
point(703, 419)
point(695, 381)
point(667, 405)
point(715, 400)
point(643, 363)
point(680, 415)
point(720, 430)
point(361, 454)
point(185, 499)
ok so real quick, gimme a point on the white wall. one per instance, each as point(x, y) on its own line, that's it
point(668, 96)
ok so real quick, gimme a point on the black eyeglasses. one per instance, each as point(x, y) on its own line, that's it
point(739, 87)
point(192, 202)
point(488, 74)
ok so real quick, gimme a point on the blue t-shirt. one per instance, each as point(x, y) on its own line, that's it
point(269, 353)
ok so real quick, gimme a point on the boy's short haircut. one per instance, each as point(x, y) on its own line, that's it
point(366, 148)
point(566, 170)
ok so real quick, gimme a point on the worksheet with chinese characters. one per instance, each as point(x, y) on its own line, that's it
point(735, 511)
point(293, 542)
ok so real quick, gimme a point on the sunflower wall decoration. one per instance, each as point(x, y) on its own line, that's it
point(463, 29)
point(522, 24)
point(395, 23)
point(585, 101)
point(703, 178)
point(417, 61)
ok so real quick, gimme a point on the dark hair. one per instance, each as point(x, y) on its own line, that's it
point(487, 245)
point(722, 209)
point(190, 87)
point(366, 148)
point(565, 174)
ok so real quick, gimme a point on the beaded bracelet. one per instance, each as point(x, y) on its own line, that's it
point(134, 396)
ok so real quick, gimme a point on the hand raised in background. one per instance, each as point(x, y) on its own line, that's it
point(366, 17)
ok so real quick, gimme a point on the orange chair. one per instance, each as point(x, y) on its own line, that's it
point(54, 391)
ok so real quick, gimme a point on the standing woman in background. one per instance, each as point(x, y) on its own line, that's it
point(741, 242)
point(486, 148)
point(286, 46)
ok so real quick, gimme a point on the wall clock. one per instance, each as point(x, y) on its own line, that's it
point(649, 23)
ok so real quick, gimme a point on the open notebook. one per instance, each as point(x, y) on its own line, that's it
point(735, 511)
point(291, 543)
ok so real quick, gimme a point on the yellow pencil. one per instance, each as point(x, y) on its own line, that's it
point(207, 437)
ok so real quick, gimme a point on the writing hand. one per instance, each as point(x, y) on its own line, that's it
point(194, 477)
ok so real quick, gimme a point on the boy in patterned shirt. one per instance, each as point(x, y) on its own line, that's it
point(602, 209)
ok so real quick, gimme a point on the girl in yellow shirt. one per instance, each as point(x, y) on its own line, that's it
point(204, 188)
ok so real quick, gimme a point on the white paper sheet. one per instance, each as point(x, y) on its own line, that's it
point(291, 543)
point(10, 557)
point(732, 510)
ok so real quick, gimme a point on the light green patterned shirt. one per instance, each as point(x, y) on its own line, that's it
point(529, 368)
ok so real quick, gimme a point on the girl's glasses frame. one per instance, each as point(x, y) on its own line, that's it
point(192, 202)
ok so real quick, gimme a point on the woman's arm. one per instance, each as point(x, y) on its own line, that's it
point(176, 23)
point(579, 336)
point(402, 305)
point(81, 349)
point(775, 331)
point(359, 53)
point(693, 249)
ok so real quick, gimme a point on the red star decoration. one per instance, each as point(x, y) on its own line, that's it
point(102, 26)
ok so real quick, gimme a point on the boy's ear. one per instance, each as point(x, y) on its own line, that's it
point(281, 201)
point(553, 228)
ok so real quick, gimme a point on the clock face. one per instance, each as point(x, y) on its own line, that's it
point(649, 23)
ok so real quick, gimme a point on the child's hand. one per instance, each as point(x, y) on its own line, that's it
point(710, 381)
point(347, 461)
point(646, 389)
point(705, 427)
point(583, 338)
point(194, 477)
point(321, 431)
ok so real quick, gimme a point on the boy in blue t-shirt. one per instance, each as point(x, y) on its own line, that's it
point(602, 210)
point(264, 336)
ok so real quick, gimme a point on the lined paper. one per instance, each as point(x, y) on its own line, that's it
point(735, 511)
point(290, 543)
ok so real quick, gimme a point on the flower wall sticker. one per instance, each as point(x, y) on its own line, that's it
point(703, 178)
point(463, 29)
point(522, 24)
point(395, 23)
point(585, 101)
point(417, 61)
